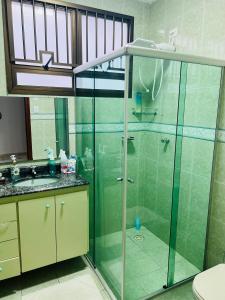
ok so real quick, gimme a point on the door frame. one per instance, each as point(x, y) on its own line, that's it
point(28, 128)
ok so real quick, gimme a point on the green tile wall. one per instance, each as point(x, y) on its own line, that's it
point(194, 199)
point(155, 163)
point(197, 34)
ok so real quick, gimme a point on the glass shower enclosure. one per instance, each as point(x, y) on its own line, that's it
point(145, 133)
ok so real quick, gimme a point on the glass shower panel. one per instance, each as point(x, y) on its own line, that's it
point(152, 124)
point(109, 166)
point(197, 147)
point(84, 131)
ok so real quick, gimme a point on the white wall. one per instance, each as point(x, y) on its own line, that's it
point(199, 23)
point(12, 126)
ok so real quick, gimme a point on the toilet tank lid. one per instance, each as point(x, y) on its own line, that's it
point(210, 284)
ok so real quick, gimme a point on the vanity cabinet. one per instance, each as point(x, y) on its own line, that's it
point(53, 229)
point(71, 225)
point(37, 233)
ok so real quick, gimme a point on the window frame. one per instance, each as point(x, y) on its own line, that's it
point(76, 32)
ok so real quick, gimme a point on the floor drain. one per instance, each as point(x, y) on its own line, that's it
point(138, 237)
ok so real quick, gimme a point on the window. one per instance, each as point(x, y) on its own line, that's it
point(45, 41)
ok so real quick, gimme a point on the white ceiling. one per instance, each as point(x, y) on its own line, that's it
point(148, 1)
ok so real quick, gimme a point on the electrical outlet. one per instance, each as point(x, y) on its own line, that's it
point(173, 36)
point(36, 109)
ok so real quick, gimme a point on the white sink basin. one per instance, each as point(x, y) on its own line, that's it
point(36, 182)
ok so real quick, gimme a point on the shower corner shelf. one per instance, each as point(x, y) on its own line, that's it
point(136, 113)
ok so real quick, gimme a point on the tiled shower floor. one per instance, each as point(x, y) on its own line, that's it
point(146, 263)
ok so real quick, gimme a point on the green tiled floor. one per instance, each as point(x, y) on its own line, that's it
point(146, 264)
point(183, 292)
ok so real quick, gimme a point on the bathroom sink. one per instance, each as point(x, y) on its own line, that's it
point(36, 182)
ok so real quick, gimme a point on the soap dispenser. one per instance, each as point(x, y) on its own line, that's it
point(15, 171)
point(88, 159)
point(51, 162)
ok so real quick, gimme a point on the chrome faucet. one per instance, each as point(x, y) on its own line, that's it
point(15, 171)
point(33, 171)
point(166, 142)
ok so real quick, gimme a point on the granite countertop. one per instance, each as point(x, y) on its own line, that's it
point(65, 181)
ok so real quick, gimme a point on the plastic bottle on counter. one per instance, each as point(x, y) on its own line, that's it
point(51, 162)
point(64, 162)
point(72, 164)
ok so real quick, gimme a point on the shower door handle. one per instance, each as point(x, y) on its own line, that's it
point(130, 180)
point(119, 179)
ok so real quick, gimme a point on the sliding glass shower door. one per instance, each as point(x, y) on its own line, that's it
point(109, 166)
point(199, 102)
point(100, 148)
point(102, 154)
point(152, 125)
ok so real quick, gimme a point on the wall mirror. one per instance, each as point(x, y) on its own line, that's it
point(29, 125)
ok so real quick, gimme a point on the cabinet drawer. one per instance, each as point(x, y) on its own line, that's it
point(9, 268)
point(9, 249)
point(8, 231)
point(8, 212)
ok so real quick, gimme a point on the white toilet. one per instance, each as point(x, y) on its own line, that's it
point(210, 284)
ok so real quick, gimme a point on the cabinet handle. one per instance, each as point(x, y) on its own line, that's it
point(62, 203)
point(4, 227)
point(47, 206)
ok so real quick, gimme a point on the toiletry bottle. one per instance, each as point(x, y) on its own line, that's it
point(64, 161)
point(138, 100)
point(15, 171)
point(52, 167)
point(137, 223)
point(72, 164)
point(88, 159)
point(51, 162)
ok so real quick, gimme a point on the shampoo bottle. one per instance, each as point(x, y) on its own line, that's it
point(137, 223)
point(138, 101)
point(64, 162)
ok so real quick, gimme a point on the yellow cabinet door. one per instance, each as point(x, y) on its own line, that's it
point(71, 225)
point(37, 233)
